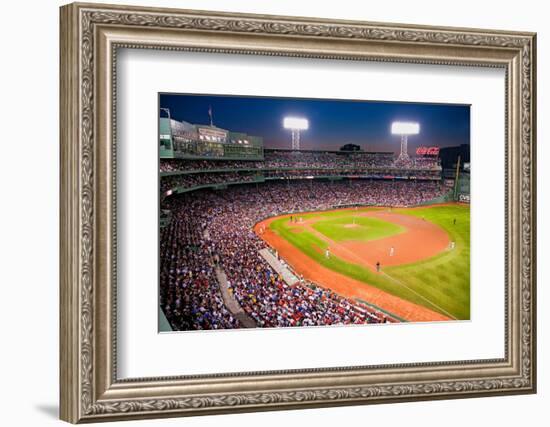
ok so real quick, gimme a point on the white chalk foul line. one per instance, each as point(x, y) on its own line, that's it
point(417, 294)
point(362, 261)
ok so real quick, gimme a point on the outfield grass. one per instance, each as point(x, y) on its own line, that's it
point(443, 279)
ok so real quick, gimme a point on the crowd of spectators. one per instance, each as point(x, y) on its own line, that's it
point(196, 179)
point(326, 159)
point(176, 165)
point(211, 228)
point(425, 162)
point(274, 159)
point(344, 172)
point(189, 293)
point(294, 165)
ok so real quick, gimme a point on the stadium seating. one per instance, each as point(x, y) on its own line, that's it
point(210, 228)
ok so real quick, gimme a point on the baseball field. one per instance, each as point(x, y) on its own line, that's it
point(413, 263)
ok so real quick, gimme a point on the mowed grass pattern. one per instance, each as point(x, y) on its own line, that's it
point(363, 228)
point(444, 277)
point(440, 283)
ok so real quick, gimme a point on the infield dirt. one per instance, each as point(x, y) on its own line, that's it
point(420, 240)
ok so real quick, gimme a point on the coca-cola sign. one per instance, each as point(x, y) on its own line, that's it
point(427, 151)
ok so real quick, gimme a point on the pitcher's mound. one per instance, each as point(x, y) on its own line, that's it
point(351, 225)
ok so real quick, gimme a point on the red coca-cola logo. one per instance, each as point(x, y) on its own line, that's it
point(427, 151)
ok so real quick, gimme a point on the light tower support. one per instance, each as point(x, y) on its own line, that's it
point(403, 155)
point(295, 125)
point(295, 139)
point(404, 129)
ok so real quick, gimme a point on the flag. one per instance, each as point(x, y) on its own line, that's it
point(210, 115)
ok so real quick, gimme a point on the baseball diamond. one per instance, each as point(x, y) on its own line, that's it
point(254, 236)
point(364, 264)
point(421, 241)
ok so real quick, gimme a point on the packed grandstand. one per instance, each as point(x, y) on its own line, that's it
point(214, 205)
point(328, 160)
point(286, 164)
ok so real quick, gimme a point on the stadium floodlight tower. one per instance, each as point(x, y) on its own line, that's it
point(295, 124)
point(404, 129)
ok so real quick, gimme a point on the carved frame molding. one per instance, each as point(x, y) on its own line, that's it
point(90, 37)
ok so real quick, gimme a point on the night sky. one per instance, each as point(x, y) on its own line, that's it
point(332, 123)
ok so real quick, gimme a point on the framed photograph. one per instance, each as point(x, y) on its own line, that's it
point(266, 212)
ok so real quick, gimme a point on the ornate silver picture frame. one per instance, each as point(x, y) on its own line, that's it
point(91, 35)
